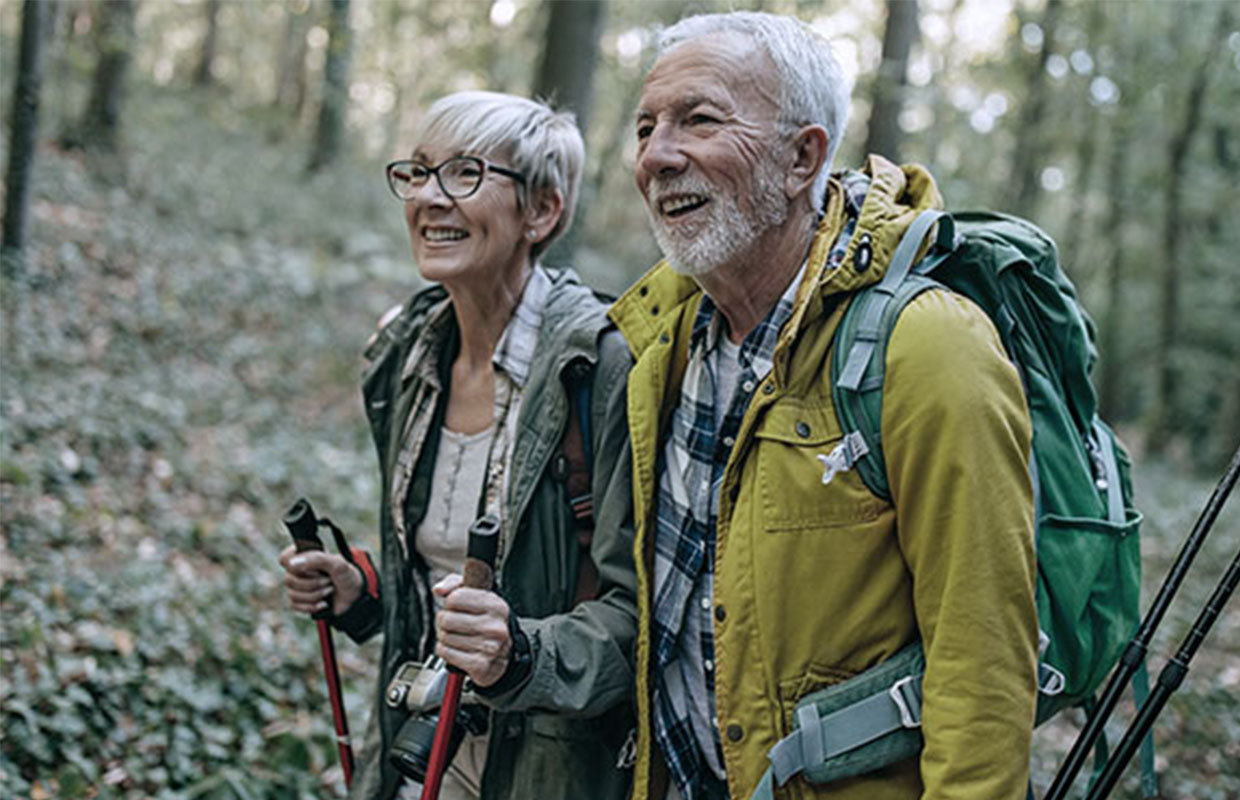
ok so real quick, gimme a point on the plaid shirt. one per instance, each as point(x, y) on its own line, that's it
point(691, 472)
point(513, 355)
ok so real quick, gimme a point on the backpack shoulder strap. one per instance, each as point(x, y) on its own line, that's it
point(577, 448)
point(858, 360)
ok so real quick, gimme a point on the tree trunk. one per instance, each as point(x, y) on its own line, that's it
point(1162, 424)
point(1072, 251)
point(1027, 157)
point(1110, 383)
point(565, 76)
point(330, 130)
point(290, 66)
point(23, 143)
point(206, 57)
point(883, 136)
point(570, 52)
point(101, 124)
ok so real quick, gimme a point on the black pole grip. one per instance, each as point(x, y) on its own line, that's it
point(303, 526)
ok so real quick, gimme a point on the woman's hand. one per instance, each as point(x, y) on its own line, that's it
point(310, 578)
point(471, 630)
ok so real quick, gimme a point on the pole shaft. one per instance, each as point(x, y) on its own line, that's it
point(339, 719)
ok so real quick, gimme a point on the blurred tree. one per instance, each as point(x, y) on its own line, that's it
point(100, 125)
point(22, 140)
point(883, 136)
point(1112, 394)
point(1175, 262)
point(570, 52)
point(566, 73)
point(1027, 157)
point(1087, 146)
point(206, 56)
point(330, 130)
point(290, 90)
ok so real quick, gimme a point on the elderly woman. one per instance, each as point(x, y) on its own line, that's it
point(472, 392)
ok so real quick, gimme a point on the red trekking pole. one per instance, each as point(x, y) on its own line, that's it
point(479, 574)
point(304, 527)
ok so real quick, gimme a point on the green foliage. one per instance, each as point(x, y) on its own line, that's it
point(190, 334)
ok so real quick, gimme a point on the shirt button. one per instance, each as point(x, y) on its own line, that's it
point(728, 441)
point(706, 604)
point(735, 732)
point(710, 665)
point(747, 386)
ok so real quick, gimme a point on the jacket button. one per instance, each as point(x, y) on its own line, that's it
point(803, 429)
point(645, 290)
point(735, 733)
point(664, 338)
point(767, 388)
point(720, 614)
point(864, 254)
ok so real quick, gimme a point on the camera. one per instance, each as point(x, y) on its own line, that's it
point(418, 688)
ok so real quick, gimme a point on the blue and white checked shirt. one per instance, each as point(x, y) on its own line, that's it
point(693, 461)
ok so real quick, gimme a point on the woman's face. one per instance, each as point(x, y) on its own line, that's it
point(476, 238)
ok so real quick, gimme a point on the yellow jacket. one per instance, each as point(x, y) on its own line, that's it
point(815, 583)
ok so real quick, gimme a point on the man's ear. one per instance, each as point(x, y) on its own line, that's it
point(543, 213)
point(809, 148)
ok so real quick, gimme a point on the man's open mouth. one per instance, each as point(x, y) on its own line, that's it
point(681, 204)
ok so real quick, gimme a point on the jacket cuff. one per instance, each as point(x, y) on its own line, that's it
point(520, 664)
point(364, 618)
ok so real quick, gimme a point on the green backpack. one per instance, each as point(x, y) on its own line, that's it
point(1088, 553)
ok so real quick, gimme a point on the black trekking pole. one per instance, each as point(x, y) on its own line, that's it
point(1169, 680)
point(1134, 653)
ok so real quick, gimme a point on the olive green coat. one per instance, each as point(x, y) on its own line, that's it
point(560, 735)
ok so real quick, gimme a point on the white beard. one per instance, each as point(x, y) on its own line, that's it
point(723, 231)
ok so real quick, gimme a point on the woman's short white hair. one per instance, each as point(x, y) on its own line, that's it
point(813, 89)
point(531, 137)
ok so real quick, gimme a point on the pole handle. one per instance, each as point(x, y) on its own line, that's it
point(479, 572)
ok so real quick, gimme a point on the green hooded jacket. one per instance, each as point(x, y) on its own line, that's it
point(561, 732)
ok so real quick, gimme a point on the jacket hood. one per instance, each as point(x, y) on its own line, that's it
point(897, 194)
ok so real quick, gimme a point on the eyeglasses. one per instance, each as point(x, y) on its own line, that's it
point(459, 176)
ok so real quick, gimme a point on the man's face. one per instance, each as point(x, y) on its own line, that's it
point(708, 161)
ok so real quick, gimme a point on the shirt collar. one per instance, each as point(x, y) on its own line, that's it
point(514, 353)
point(758, 346)
point(515, 350)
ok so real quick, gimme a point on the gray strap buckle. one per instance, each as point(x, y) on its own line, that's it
point(904, 693)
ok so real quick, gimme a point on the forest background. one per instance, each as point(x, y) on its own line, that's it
point(198, 240)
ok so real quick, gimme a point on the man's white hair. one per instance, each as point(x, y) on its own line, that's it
point(812, 87)
point(532, 138)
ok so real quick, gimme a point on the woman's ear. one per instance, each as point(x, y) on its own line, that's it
point(809, 151)
point(543, 213)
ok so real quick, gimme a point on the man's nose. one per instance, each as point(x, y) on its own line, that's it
point(661, 153)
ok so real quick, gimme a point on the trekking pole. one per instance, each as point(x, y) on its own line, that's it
point(1134, 653)
point(479, 574)
point(304, 527)
point(1169, 680)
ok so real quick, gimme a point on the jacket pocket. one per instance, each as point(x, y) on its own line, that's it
point(791, 438)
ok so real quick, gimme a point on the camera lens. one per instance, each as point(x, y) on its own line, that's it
point(410, 752)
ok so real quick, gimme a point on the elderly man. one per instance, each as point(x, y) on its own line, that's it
point(759, 581)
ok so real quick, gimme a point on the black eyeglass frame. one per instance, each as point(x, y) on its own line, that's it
point(482, 164)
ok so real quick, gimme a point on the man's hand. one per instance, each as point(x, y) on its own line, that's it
point(472, 630)
point(310, 578)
